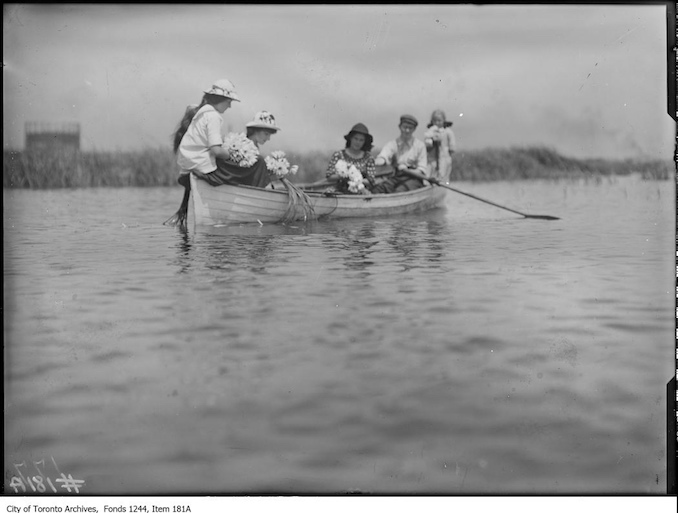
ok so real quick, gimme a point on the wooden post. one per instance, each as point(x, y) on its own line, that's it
point(671, 453)
point(671, 59)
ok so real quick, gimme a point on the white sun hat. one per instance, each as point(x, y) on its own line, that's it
point(224, 87)
point(263, 119)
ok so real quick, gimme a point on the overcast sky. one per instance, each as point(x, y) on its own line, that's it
point(587, 80)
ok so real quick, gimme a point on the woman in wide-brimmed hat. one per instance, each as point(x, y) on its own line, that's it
point(197, 141)
point(259, 131)
point(261, 128)
point(356, 154)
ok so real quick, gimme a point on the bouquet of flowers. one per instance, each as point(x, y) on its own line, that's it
point(351, 175)
point(241, 150)
point(433, 135)
point(277, 164)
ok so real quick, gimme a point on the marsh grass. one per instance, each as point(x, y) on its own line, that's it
point(157, 167)
point(66, 168)
point(546, 163)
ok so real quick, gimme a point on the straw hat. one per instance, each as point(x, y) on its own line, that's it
point(263, 119)
point(223, 87)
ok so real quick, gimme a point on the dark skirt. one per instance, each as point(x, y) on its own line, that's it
point(226, 173)
point(397, 183)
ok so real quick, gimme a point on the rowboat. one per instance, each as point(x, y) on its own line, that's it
point(233, 204)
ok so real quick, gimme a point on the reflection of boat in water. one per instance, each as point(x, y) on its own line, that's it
point(227, 204)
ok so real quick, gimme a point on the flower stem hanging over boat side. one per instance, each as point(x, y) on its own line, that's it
point(299, 204)
point(180, 216)
point(279, 166)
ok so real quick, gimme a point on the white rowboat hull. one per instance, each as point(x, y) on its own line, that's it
point(232, 204)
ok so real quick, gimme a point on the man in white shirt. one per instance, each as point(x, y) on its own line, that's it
point(404, 153)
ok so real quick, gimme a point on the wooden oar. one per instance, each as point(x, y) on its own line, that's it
point(434, 181)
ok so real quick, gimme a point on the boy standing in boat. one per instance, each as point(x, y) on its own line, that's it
point(404, 153)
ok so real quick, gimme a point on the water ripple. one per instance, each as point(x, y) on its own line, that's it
point(457, 351)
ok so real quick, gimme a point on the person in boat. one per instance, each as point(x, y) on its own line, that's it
point(259, 131)
point(440, 145)
point(405, 152)
point(355, 153)
point(197, 141)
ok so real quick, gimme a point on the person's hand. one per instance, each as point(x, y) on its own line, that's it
point(428, 180)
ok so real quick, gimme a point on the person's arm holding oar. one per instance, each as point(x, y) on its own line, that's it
point(415, 174)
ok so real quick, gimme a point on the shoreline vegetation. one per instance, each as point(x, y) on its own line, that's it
point(57, 169)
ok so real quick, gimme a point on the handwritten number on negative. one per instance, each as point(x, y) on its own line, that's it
point(37, 483)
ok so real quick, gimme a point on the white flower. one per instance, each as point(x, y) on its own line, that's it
point(341, 167)
point(355, 180)
point(433, 134)
point(351, 175)
point(356, 187)
point(241, 150)
point(354, 174)
point(277, 164)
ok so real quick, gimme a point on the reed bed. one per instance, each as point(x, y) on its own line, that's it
point(67, 168)
point(157, 167)
point(545, 163)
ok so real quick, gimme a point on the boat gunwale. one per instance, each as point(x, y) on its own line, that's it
point(321, 194)
point(361, 205)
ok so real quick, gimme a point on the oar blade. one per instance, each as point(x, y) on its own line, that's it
point(547, 218)
point(437, 182)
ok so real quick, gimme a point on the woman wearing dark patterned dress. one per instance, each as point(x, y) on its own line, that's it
point(259, 131)
point(356, 153)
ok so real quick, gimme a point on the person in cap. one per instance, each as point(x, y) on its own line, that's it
point(259, 131)
point(440, 145)
point(356, 153)
point(197, 141)
point(404, 153)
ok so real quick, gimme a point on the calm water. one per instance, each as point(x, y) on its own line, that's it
point(461, 351)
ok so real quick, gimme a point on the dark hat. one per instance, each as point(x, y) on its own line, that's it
point(359, 128)
point(409, 119)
